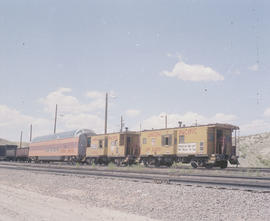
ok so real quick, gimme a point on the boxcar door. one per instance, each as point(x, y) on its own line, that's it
point(220, 142)
point(128, 146)
point(175, 142)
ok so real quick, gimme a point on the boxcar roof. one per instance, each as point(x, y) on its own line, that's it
point(113, 133)
point(63, 135)
point(8, 145)
point(227, 126)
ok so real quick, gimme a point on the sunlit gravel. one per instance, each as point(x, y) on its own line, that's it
point(158, 201)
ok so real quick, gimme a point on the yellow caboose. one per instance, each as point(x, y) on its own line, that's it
point(203, 145)
point(120, 148)
point(158, 147)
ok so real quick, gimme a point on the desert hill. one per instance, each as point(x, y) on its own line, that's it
point(254, 150)
point(7, 142)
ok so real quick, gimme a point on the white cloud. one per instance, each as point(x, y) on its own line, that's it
point(10, 116)
point(236, 72)
point(255, 127)
point(133, 112)
point(100, 95)
point(223, 118)
point(12, 122)
point(82, 120)
point(189, 118)
point(254, 67)
point(267, 112)
point(68, 104)
point(95, 94)
point(72, 114)
point(195, 72)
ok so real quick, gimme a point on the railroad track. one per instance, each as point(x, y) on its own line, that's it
point(239, 169)
point(154, 170)
point(243, 169)
point(151, 171)
point(261, 184)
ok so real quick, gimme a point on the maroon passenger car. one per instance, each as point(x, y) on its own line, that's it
point(22, 154)
point(66, 146)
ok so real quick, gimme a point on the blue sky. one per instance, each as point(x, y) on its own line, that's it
point(194, 60)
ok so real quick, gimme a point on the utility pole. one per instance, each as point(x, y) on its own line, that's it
point(55, 119)
point(122, 124)
point(30, 132)
point(21, 139)
point(106, 113)
point(166, 119)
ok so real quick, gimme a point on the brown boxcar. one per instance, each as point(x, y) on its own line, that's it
point(203, 145)
point(158, 147)
point(66, 146)
point(8, 152)
point(120, 148)
point(96, 151)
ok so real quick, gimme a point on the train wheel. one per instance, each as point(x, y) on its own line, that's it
point(118, 162)
point(209, 166)
point(105, 162)
point(223, 164)
point(169, 164)
point(157, 163)
point(194, 164)
point(145, 162)
point(89, 161)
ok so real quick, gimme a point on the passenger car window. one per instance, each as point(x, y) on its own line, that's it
point(89, 141)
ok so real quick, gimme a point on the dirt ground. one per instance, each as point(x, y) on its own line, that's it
point(26, 195)
point(19, 204)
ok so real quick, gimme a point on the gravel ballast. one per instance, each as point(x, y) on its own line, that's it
point(140, 201)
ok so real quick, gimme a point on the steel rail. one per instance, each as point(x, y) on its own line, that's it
point(169, 179)
point(156, 171)
point(241, 169)
point(228, 169)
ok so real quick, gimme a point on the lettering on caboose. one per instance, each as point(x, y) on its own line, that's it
point(114, 137)
point(154, 134)
point(188, 131)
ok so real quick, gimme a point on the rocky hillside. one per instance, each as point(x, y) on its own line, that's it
point(5, 142)
point(254, 150)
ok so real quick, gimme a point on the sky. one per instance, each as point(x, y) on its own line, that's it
point(201, 61)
